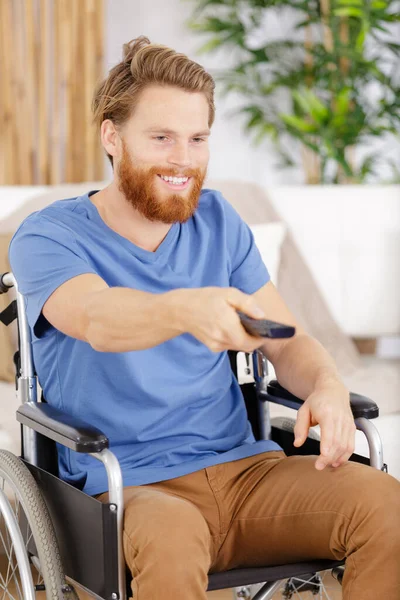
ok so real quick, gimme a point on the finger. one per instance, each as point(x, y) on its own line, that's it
point(245, 303)
point(235, 337)
point(302, 426)
point(350, 447)
point(339, 445)
point(343, 443)
point(326, 445)
point(344, 438)
point(253, 343)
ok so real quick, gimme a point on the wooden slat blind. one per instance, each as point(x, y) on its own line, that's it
point(51, 57)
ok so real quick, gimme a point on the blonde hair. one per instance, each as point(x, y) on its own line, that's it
point(146, 64)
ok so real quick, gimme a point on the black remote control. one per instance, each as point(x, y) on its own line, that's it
point(265, 328)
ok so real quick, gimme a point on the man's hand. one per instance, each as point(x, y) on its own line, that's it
point(328, 407)
point(210, 315)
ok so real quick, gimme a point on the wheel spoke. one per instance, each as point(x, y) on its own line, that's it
point(324, 589)
point(4, 544)
point(10, 563)
point(8, 537)
point(17, 585)
point(9, 556)
point(29, 538)
point(9, 595)
point(296, 585)
point(12, 575)
point(4, 587)
point(9, 576)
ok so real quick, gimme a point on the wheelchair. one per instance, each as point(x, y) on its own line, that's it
point(58, 539)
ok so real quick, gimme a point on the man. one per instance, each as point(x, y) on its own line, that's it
point(132, 296)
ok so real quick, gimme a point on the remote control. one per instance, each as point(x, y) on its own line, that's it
point(265, 328)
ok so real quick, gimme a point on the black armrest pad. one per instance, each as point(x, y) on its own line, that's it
point(61, 427)
point(361, 406)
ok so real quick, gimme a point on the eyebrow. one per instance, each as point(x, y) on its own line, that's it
point(170, 131)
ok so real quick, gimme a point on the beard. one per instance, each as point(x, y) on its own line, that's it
point(138, 185)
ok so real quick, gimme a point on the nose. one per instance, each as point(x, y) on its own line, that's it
point(179, 156)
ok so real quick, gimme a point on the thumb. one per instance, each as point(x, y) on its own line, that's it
point(245, 303)
point(302, 426)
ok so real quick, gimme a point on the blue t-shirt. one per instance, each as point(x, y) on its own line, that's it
point(169, 410)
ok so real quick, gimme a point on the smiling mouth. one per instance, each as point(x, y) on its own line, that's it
point(177, 185)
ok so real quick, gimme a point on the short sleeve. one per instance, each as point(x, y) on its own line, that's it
point(43, 255)
point(248, 272)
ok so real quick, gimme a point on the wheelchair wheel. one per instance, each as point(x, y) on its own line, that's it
point(27, 538)
point(313, 586)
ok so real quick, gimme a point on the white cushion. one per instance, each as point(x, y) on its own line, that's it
point(268, 238)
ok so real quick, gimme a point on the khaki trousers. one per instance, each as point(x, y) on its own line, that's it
point(264, 510)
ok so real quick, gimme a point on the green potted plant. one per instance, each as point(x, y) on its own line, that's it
point(327, 93)
point(339, 67)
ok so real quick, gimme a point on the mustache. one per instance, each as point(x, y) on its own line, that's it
point(175, 173)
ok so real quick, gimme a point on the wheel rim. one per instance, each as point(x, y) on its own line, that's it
point(17, 580)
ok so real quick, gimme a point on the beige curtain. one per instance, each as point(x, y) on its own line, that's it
point(51, 57)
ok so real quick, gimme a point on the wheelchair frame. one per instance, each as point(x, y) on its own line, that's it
point(41, 422)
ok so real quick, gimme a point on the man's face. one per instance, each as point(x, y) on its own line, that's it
point(167, 136)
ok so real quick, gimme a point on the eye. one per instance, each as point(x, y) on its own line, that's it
point(160, 138)
point(199, 139)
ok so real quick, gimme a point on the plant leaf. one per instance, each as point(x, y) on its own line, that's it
point(298, 123)
point(350, 2)
point(349, 11)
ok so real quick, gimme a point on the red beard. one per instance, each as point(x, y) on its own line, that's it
point(139, 188)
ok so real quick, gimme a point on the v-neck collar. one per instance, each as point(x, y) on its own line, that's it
point(145, 255)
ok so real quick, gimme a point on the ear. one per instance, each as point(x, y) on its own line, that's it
point(110, 138)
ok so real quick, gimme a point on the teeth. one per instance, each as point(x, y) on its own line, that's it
point(175, 180)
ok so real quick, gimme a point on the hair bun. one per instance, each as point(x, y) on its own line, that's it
point(130, 49)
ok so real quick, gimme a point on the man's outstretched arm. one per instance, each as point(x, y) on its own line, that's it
point(307, 370)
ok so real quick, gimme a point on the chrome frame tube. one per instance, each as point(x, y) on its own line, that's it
point(27, 370)
point(260, 370)
point(19, 547)
point(374, 441)
point(27, 382)
point(116, 497)
point(268, 590)
point(260, 373)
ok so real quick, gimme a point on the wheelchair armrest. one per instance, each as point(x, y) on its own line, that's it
point(61, 427)
point(361, 406)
